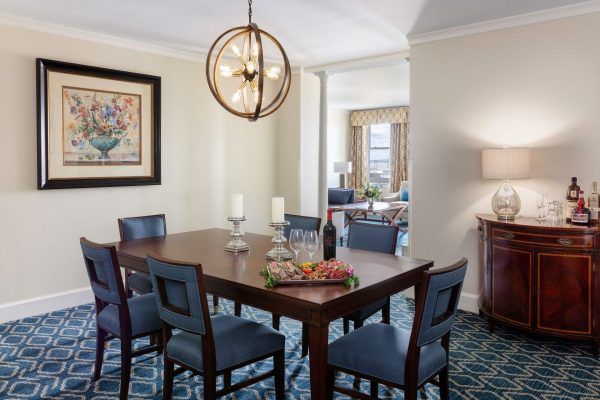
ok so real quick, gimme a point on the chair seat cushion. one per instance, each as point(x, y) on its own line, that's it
point(140, 282)
point(237, 340)
point(367, 311)
point(380, 350)
point(142, 310)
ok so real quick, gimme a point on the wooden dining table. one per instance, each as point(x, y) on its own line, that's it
point(236, 277)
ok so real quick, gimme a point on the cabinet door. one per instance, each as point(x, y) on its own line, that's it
point(512, 285)
point(564, 292)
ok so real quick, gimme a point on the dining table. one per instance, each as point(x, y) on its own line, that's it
point(236, 276)
point(390, 212)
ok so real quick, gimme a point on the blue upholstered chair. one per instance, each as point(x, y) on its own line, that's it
point(371, 237)
point(399, 358)
point(116, 315)
point(208, 346)
point(141, 228)
point(301, 222)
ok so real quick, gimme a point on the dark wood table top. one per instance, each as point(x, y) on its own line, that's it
point(241, 270)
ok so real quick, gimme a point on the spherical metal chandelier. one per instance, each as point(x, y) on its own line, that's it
point(237, 75)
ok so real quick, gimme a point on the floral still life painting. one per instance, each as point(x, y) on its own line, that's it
point(101, 127)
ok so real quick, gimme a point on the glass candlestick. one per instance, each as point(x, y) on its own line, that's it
point(279, 252)
point(237, 244)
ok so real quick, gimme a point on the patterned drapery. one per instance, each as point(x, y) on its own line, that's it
point(398, 155)
point(359, 154)
point(394, 115)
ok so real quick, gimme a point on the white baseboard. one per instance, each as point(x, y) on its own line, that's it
point(44, 304)
point(467, 302)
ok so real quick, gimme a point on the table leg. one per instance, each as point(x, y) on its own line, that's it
point(317, 348)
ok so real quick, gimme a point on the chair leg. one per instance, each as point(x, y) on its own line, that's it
point(385, 312)
point(227, 379)
point(210, 386)
point(100, 341)
point(410, 392)
point(276, 321)
point(128, 290)
point(125, 367)
point(237, 309)
point(374, 390)
point(215, 304)
point(279, 366)
point(168, 373)
point(444, 385)
point(357, 324)
point(346, 326)
point(330, 381)
point(304, 340)
point(423, 392)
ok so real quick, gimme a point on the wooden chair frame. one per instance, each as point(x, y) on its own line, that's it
point(210, 372)
point(411, 386)
point(104, 335)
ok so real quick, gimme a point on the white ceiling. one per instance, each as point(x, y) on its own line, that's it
point(370, 88)
point(313, 32)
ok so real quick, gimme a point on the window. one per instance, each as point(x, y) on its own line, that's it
point(379, 155)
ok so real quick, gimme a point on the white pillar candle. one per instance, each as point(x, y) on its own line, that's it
point(237, 205)
point(277, 210)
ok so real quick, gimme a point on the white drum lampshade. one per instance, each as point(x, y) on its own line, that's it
point(342, 168)
point(506, 164)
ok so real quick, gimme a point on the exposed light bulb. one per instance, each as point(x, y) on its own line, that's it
point(236, 50)
point(226, 71)
point(273, 72)
point(250, 67)
point(236, 96)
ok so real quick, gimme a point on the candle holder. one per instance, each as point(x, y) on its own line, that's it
point(237, 244)
point(279, 252)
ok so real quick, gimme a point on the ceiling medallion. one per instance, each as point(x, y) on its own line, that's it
point(237, 75)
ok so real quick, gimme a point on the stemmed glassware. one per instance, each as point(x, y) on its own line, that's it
point(542, 204)
point(311, 243)
point(296, 241)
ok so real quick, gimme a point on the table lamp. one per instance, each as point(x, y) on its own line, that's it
point(342, 168)
point(506, 164)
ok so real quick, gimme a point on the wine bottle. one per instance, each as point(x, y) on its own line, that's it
point(593, 203)
point(572, 198)
point(329, 235)
point(581, 214)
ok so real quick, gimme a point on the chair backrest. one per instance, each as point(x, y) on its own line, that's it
point(373, 237)
point(142, 227)
point(181, 295)
point(301, 222)
point(103, 270)
point(439, 298)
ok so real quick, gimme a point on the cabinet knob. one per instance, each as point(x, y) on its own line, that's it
point(565, 241)
point(508, 235)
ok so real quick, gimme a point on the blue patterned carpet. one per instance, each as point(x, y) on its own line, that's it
point(51, 357)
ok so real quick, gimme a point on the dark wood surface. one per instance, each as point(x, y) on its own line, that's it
point(236, 276)
point(541, 276)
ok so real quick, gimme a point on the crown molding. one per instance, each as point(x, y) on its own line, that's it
point(182, 53)
point(358, 64)
point(508, 22)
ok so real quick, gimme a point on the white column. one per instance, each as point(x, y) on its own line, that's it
point(323, 77)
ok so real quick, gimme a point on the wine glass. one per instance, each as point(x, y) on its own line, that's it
point(539, 202)
point(296, 241)
point(311, 243)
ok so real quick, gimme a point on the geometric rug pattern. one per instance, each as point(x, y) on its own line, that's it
point(51, 356)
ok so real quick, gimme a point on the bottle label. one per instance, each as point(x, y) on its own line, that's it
point(594, 213)
point(573, 193)
point(580, 218)
point(570, 206)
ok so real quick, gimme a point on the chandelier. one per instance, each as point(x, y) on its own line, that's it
point(237, 75)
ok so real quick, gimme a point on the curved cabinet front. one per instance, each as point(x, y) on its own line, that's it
point(540, 277)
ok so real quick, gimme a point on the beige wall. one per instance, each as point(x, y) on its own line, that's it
point(338, 142)
point(206, 155)
point(536, 86)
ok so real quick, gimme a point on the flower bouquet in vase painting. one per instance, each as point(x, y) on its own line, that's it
point(98, 122)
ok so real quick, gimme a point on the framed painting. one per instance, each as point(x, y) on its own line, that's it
point(97, 127)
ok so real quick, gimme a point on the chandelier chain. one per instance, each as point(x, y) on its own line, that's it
point(249, 11)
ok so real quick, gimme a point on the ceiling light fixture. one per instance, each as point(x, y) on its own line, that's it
point(241, 57)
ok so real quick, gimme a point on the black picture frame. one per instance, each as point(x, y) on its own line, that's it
point(43, 67)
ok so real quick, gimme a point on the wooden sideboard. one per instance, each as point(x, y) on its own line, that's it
point(541, 277)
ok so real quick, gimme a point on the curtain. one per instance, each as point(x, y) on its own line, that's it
point(398, 155)
point(359, 155)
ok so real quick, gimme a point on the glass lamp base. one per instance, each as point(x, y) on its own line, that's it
point(506, 202)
